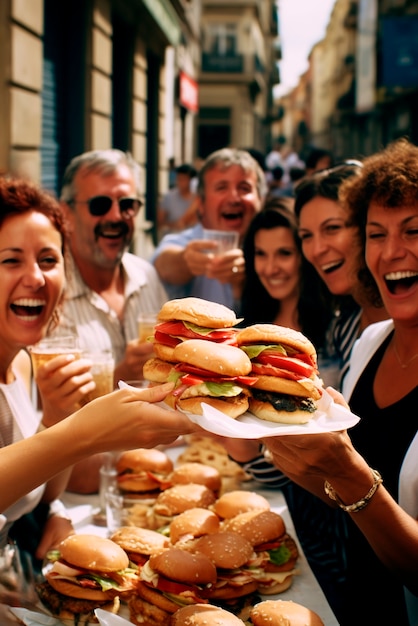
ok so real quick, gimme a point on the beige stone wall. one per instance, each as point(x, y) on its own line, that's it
point(20, 86)
point(99, 125)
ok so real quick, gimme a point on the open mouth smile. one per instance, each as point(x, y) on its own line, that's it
point(331, 267)
point(28, 309)
point(232, 216)
point(399, 282)
point(112, 231)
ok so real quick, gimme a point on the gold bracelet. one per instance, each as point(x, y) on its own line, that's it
point(360, 504)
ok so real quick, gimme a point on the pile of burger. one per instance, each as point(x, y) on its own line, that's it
point(225, 555)
point(266, 369)
point(198, 554)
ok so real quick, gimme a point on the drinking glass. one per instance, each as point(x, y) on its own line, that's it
point(102, 369)
point(17, 585)
point(50, 347)
point(225, 239)
point(146, 324)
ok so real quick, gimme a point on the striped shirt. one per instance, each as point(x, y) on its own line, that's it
point(96, 324)
point(346, 332)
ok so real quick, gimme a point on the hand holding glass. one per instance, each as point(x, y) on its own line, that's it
point(50, 347)
point(225, 240)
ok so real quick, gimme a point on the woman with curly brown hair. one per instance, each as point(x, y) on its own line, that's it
point(382, 388)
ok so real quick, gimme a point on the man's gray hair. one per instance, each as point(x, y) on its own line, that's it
point(225, 158)
point(104, 162)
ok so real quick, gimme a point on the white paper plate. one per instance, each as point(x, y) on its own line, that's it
point(329, 417)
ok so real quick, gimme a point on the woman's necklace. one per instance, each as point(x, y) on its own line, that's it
point(404, 365)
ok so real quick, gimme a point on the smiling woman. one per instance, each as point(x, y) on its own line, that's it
point(382, 389)
point(32, 248)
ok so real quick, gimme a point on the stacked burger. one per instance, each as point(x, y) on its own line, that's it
point(286, 385)
point(86, 572)
point(195, 344)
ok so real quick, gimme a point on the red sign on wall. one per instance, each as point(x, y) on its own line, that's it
point(188, 93)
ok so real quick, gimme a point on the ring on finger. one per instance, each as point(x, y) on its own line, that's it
point(235, 269)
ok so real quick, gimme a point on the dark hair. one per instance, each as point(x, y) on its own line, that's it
point(18, 196)
point(324, 184)
point(328, 184)
point(388, 178)
point(314, 308)
point(315, 155)
point(186, 168)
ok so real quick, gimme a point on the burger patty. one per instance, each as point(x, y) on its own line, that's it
point(284, 402)
point(56, 603)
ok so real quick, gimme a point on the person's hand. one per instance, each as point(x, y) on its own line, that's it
point(56, 529)
point(130, 368)
point(197, 256)
point(307, 459)
point(63, 383)
point(228, 267)
point(129, 418)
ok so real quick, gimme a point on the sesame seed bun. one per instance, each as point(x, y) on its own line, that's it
point(235, 502)
point(226, 550)
point(139, 541)
point(257, 526)
point(221, 359)
point(272, 333)
point(204, 615)
point(198, 311)
point(196, 473)
point(193, 523)
point(283, 613)
point(182, 566)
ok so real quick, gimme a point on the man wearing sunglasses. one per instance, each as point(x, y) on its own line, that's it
point(108, 287)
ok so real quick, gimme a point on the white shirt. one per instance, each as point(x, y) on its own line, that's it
point(26, 424)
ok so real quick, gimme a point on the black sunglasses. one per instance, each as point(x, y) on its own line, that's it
point(100, 205)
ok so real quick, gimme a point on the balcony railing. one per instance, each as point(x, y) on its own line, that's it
point(232, 64)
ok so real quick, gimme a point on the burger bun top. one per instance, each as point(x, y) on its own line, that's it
point(227, 550)
point(274, 334)
point(93, 552)
point(193, 523)
point(144, 459)
point(139, 540)
point(198, 311)
point(257, 526)
point(232, 503)
point(182, 566)
point(204, 615)
point(283, 613)
point(218, 358)
point(197, 473)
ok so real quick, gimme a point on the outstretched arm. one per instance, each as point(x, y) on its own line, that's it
point(122, 420)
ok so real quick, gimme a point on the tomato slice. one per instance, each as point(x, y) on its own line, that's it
point(170, 586)
point(287, 363)
point(179, 330)
point(196, 376)
point(268, 370)
point(167, 340)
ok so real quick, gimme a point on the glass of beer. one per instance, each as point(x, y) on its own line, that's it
point(50, 347)
point(102, 369)
point(146, 324)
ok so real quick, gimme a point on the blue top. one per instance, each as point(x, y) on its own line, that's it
point(200, 286)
